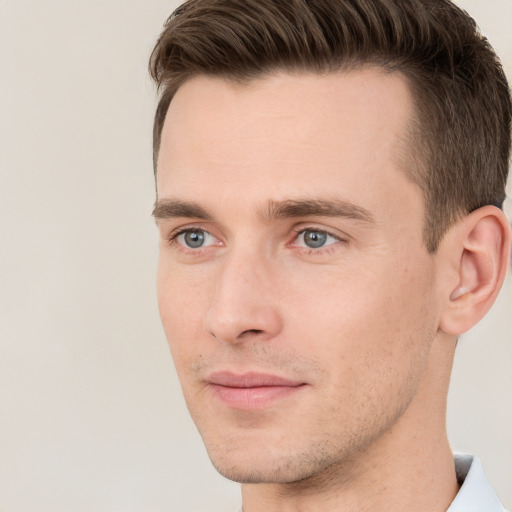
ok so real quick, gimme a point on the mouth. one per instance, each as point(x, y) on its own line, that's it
point(250, 391)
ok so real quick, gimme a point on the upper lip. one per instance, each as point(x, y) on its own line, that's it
point(250, 380)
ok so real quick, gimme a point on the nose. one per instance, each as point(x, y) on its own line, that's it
point(244, 305)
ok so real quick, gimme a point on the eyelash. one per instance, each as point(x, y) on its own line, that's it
point(321, 250)
point(172, 240)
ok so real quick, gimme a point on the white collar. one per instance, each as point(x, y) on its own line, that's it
point(476, 493)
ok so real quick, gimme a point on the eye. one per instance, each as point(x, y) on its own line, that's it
point(315, 239)
point(195, 238)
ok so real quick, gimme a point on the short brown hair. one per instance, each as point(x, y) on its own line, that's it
point(459, 142)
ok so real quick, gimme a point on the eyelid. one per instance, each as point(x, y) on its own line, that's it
point(327, 234)
point(297, 230)
point(172, 237)
point(208, 239)
point(340, 240)
point(184, 228)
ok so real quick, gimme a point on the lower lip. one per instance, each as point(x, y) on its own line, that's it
point(253, 398)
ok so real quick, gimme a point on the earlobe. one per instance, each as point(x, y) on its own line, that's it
point(482, 249)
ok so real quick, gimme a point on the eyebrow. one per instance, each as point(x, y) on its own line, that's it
point(172, 208)
point(317, 207)
point(274, 210)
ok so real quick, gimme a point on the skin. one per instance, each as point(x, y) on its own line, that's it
point(357, 322)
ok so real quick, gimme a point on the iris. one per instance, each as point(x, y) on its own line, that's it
point(194, 239)
point(314, 239)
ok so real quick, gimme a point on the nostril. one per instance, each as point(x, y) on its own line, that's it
point(250, 331)
point(243, 334)
point(236, 324)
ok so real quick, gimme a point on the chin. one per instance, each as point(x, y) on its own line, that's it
point(258, 473)
point(259, 466)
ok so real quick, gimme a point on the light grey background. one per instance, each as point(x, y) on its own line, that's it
point(91, 415)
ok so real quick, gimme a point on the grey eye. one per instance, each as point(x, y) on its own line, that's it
point(194, 239)
point(314, 239)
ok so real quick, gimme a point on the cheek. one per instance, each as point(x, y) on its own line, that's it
point(181, 305)
point(360, 324)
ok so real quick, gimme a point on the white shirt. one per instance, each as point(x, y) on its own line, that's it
point(476, 493)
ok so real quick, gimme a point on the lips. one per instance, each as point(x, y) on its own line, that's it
point(251, 390)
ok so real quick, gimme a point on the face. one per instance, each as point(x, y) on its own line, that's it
point(293, 284)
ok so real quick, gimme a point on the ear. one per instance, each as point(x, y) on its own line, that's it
point(477, 255)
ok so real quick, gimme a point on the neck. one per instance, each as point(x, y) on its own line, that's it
point(410, 467)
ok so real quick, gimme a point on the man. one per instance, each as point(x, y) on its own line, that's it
point(329, 181)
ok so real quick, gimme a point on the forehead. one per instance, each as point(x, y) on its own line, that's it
point(284, 134)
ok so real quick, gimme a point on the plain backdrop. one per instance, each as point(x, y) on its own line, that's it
point(91, 414)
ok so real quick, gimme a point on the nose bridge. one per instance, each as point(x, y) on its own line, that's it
point(243, 303)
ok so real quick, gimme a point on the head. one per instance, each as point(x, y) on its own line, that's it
point(327, 175)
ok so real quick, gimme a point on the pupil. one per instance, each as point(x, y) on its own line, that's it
point(194, 239)
point(314, 239)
